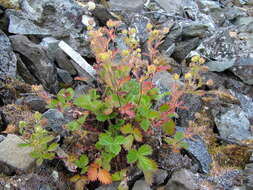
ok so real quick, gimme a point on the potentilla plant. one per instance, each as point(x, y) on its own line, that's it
point(121, 111)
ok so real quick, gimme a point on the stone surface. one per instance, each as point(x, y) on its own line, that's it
point(182, 180)
point(232, 123)
point(36, 103)
point(37, 61)
point(13, 156)
point(56, 120)
point(113, 186)
point(126, 5)
point(160, 176)
point(64, 77)
point(141, 185)
point(8, 60)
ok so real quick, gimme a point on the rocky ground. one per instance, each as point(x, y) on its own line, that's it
point(221, 31)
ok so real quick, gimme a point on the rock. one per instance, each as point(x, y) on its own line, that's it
point(64, 77)
point(171, 6)
point(141, 185)
point(243, 68)
point(232, 123)
point(160, 176)
point(223, 51)
point(25, 27)
point(248, 176)
point(8, 59)
point(172, 161)
point(126, 5)
point(24, 72)
point(63, 62)
point(194, 29)
point(199, 150)
point(193, 103)
point(47, 17)
point(139, 22)
point(36, 60)
point(2, 138)
point(13, 156)
point(183, 48)
point(36, 103)
point(102, 14)
point(45, 187)
point(10, 4)
point(113, 186)
point(56, 120)
point(182, 180)
point(246, 103)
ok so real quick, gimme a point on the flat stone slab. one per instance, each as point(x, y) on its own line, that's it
point(14, 157)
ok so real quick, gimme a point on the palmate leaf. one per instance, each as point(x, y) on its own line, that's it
point(169, 127)
point(132, 156)
point(129, 142)
point(145, 163)
point(145, 123)
point(145, 150)
point(111, 144)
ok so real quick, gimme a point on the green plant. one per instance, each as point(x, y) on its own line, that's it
point(121, 113)
point(41, 142)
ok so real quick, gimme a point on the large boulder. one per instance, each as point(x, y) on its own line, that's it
point(8, 59)
point(37, 61)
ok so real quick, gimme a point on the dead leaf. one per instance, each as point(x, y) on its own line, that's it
point(10, 129)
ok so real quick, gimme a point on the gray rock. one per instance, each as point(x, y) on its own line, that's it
point(56, 120)
point(36, 60)
point(8, 59)
point(199, 150)
point(246, 103)
point(171, 6)
point(47, 17)
point(2, 138)
point(160, 176)
point(232, 123)
point(183, 48)
point(25, 27)
point(248, 176)
point(65, 77)
point(44, 187)
point(219, 66)
point(224, 49)
point(182, 180)
point(243, 68)
point(13, 156)
point(141, 185)
point(126, 5)
point(63, 62)
point(193, 103)
point(194, 29)
point(36, 103)
point(113, 186)
point(24, 72)
point(140, 22)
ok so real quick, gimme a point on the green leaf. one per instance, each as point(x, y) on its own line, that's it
point(119, 140)
point(105, 140)
point(53, 147)
point(126, 129)
point(39, 161)
point(102, 117)
point(35, 154)
point(37, 116)
point(129, 142)
point(145, 150)
point(145, 124)
point(114, 148)
point(82, 119)
point(137, 135)
point(73, 125)
point(169, 127)
point(82, 101)
point(82, 162)
point(46, 139)
point(179, 136)
point(48, 156)
point(146, 163)
point(153, 114)
point(184, 145)
point(132, 156)
point(164, 108)
point(170, 141)
point(84, 170)
point(24, 145)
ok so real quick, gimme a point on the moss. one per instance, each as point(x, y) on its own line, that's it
point(10, 4)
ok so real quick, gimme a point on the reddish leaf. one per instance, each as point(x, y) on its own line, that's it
point(93, 172)
point(146, 86)
point(124, 80)
point(104, 176)
point(128, 110)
